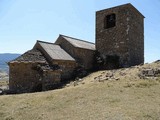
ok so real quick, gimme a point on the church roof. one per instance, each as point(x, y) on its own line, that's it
point(37, 57)
point(30, 56)
point(79, 43)
point(55, 51)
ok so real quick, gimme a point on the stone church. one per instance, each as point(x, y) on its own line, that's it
point(119, 41)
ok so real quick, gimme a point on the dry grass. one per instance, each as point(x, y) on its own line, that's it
point(4, 82)
point(112, 100)
point(129, 98)
point(3, 78)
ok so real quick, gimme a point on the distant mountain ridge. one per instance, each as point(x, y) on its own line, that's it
point(6, 57)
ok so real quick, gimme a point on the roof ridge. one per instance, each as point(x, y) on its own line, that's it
point(122, 5)
point(26, 57)
point(45, 42)
point(76, 39)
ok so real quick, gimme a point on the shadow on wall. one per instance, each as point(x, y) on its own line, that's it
point(37, 88)
point(107, 62)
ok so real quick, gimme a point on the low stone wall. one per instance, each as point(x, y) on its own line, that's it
point(148, 73)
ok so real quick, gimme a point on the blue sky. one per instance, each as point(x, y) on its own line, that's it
point(22, 22)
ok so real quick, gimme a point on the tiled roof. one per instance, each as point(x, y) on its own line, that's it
point(55, 51)
point(79, 43)
point(30, 56)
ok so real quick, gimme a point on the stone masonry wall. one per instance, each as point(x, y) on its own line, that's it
point(38, 47)
point(82, 56)
point(125, 39)
point(85, 57)
point(67, 69)
point(23, 78)
point(51, 79)
point(136, 38)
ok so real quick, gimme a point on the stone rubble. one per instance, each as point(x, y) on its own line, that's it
point(148, 73)
point(106, 76)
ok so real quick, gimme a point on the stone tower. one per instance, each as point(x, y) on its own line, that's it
point(120, 36)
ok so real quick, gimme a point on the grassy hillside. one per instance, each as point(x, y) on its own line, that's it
point(123, 96)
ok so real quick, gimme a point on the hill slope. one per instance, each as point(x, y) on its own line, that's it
point(104, 95)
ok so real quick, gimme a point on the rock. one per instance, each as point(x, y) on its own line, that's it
point(148, 73)
point(96, 78)
point(100, 76)
point(117, 78)
point(101, 80)
point(157, 72)
point(109, 74)
point(1, 92)
point(103, 73)
point(75, 83)
point(122, 73)
point(67, 85)
point(80, 80)
point(83, 83)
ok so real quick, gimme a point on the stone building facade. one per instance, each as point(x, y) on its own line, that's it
point(120, 33)
point(78, 49)
point(48, 65)
point(119, 40)
point(31, 72)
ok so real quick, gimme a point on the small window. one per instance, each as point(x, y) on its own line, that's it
point(110, 21)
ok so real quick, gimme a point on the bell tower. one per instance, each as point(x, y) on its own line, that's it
point(120, 35)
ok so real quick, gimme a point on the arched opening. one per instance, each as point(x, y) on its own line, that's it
point(110, 21)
